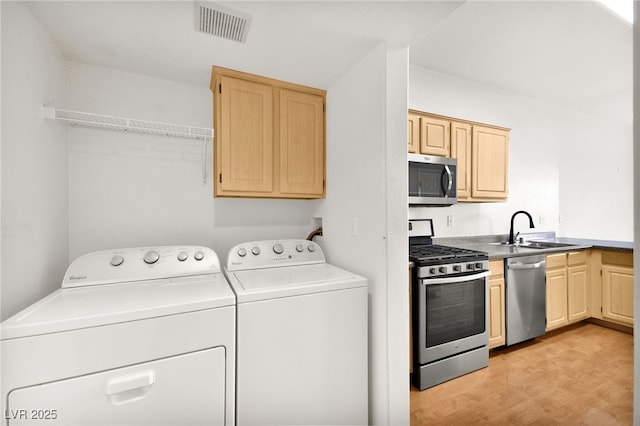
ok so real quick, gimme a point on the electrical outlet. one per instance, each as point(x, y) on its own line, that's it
point(541, 219)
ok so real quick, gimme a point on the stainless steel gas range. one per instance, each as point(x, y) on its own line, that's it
point(450, 308)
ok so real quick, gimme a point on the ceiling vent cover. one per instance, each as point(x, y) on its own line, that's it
point(221, 22)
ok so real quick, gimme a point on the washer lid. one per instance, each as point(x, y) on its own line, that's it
point(98, 305)
point(270, 283)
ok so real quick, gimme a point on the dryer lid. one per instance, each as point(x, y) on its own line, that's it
point(98, 305)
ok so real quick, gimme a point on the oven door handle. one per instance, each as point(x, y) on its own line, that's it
point(457, 279)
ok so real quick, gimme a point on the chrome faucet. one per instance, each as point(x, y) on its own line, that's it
point(531, 225)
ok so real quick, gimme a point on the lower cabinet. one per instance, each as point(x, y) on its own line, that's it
point(567, 288)
point(496, 304)
point(617, 287)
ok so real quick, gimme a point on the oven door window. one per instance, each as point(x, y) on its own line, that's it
point(455, 311)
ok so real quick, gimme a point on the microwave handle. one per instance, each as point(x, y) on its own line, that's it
point(449, 179)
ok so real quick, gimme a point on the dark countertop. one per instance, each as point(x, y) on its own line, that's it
point(490, 244)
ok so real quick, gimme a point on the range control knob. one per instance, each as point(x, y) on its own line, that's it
point(255, 251)
point(311, 248)
point(457, 268)
point(277, 248)
point(299, 248)
point(151, 257)
point(442, 269)
point(479, 265)
point(117, 260)
point(242, 252)
point(199, 255)
point(432, 271)
point(182, 256)
point(470, 266)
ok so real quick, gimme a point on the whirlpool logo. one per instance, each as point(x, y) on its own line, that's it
point(77, 277)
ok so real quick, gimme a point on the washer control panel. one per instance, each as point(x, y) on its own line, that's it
point(140, 263)
point(273, 253)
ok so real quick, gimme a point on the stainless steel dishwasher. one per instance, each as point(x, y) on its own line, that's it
point(526, 306)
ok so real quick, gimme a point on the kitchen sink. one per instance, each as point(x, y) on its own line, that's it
point(535, 244)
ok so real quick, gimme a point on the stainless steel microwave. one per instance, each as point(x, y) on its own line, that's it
point(432, 180)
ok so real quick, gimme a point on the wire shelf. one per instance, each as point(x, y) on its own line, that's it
point(107, 122)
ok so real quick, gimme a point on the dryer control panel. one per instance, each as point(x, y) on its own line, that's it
point(273, 253)
point(140, 263)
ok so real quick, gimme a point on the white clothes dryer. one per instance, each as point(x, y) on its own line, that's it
point(302, 336)
point(136, 336)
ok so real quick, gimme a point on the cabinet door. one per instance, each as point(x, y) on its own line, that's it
point(490, 159)
point(578, 292)
point(244, 137)
point(461, 150)
point(496, 304)
point(617, 293)
point(434, 136)
point(413, 133)
point(557, 297)
point(301, 143)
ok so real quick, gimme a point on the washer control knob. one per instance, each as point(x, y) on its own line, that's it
point(182, 256)
point(199, 255)
point(242, 252)
point(277, 248)
point(442, 269)
point(299, 248)
point(151, 257)
point(311, 248)
point(117, 260)
point(255, 251)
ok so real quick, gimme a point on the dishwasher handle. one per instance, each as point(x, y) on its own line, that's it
point(527, 265)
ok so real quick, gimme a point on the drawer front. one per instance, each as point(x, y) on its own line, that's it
point(577, 258)
point(556, 260)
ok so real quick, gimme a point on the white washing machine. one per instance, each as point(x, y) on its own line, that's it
point(302, 336)
point(137, 336)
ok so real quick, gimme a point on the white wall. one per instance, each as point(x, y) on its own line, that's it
point(552, 155)
point(34, 162)
point(140, 190)
point(366, 185)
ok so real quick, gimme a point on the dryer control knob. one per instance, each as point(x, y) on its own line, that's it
point(242, 252)
point(117, 260)
point(182, 256)
point(255, 251)
point(299, 248)
point(277, 248)
point(199, 255)
point(151, 257)
point(311, 248)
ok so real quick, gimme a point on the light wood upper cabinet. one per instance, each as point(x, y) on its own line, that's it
point(490, 161)
point(301, 143)
point(269, 137)
point(482, 152)
point(245, 163)
point(413, 133)
point(434, 136)
point(497, 336)
point(461, 150)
